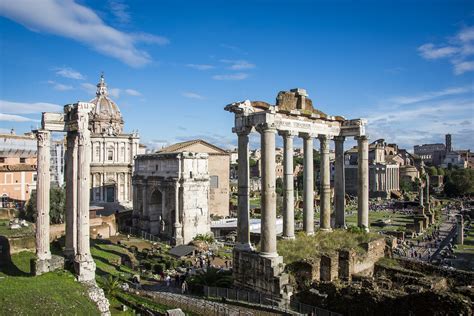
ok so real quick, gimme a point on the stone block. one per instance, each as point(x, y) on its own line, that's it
point(85, 270)
point(329, 267)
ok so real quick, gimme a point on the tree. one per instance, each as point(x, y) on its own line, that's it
point(252, 162)
point(432, 171)
point(441, 172)
point(459, 182)
point(57, 206)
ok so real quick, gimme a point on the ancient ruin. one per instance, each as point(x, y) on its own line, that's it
point(292, 115)
point(75, 122)
point(171, 195)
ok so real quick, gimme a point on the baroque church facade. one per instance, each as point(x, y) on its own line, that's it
point(113, 153)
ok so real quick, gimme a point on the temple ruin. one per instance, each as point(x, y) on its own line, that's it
point(293, 115)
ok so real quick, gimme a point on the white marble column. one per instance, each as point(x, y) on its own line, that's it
point(85, 266)
point(288, 183)
point(363, 182)
point(42, 200)
point(308, 185)
point(339, 182)
point(178, 233)
point(243, 205)
point(427, 185)
point(268, 225)
point(71, 195)
point(325, 184)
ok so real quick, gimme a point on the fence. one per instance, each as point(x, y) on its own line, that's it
point(266, 301)
point(190, 304)
point(143, 235)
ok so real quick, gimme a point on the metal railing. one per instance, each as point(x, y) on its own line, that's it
point(136, 232)
point(266, 301)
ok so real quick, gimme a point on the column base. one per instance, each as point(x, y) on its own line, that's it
point(41, 266)
point(85, 269)
point(326, 230)
point(268, 254)
point(288, 237)
point(69, 254)
point(364, 228)
point(309, 233)
point(244, 247)
point(341, 226)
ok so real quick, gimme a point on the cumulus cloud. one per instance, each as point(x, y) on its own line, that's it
point(236, 76)
point(78, 22)
point(69, 73)
point(200, 66)
point(120, 11)
point(192, 95)
point(458, 49)
point(15, 118)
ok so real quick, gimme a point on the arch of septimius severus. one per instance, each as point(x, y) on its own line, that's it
point(75, 122)
point(292, 115)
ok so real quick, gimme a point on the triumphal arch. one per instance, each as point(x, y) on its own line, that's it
point(75, 122)
point(292, 116)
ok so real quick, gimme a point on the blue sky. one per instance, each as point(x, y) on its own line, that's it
point(172, 66)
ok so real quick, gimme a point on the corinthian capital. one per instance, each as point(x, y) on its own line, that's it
point(43, 138)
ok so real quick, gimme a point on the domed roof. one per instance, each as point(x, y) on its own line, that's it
point(105, 118)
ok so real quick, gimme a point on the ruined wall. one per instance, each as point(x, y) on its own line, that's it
point(106, 226)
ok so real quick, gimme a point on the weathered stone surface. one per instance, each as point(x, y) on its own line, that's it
point(96, 294)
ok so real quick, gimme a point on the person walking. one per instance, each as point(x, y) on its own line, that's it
point(184, 287)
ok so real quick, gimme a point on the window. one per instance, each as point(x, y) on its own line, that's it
point(22, 160)
point(214, 182)
point(2, 159)
point(110, 155)
point(34, 178)
point(97, 152)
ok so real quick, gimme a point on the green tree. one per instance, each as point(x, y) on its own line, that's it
point(459, 182)
point(441, 172)
point(279, 186)
point(57, 206)
point(432, 171)
point(252, 162)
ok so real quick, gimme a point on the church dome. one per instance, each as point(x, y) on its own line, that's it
point(105, 118)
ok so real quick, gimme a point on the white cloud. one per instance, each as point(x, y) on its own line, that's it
point(238, 64)
point(192, 95)
point(429, 51)
point(69, 73)
point(89, 88)
point(402, 100)
point(115, 93)
point(28, 108)
point(458, 51)
point(236, 76)
point(78, 22)
point(200, 66)
point(120, 11)
point(133, 92)
point(15, 118)
point(59, 86)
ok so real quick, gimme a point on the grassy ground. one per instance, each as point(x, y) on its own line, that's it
point(55, 293)
point(304, 247)
point(7, 232)
point(465, 253)
point(398, 221)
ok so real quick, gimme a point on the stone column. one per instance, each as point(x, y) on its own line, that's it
point(178, 233)
point(363, 182)
point(84, 264)
point(243, 205)
point(459, 229)
point(308, 185)
point(427, 184)
point(325, 185)
point(42, 202)
point(339, 182)
point(145, 218)
point(268, 229)
point(71, 196)
point(288, 183)
point(422, 202)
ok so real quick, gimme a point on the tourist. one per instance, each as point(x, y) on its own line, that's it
point(168, 280)
point(184, 287)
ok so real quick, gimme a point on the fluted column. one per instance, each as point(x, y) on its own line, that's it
point(268, 229)
point(325, 185)
point(243, 205)
point(308, 185)
point(42, 199)
point(363, 182)
point(339, 182)
point(288, 183)
point(71, 195)
point(85, 266)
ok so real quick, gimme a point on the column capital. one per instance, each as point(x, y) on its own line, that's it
point(43, 137)
point(288, 134)
point(339, 138)
point(362, 138)
point(308, 135)
point(324, 137)
point(266, 127)
point(243, 130)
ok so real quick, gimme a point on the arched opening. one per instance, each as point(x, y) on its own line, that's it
point(156, 205)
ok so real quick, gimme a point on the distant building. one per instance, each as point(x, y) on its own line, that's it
point(219, 172)
point(384, 169)
point(57, 165)
point(171, 195)
point(454, 159)
point(17, 168)
point(427, 152)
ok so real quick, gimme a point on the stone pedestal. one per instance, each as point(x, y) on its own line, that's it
point(329, 267)
point(420, 221)
point(39, 267)
point(259, 273)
